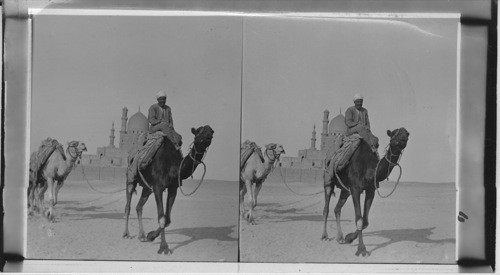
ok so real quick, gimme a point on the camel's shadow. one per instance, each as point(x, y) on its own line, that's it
point(93, 212)
point(221, 234)
point(272, 211)
point(400, 235)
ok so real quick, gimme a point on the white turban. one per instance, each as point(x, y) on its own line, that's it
point(357, 96)
point(161, 94)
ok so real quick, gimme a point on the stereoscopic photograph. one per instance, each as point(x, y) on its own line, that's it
point(246, 137)
point(348, 140)
point(134, 138)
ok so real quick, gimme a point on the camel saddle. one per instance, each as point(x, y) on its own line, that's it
point(39, 158)
point(141, 157)
point(247, 149)
point(339, 158)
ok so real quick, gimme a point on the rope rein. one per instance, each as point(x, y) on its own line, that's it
point(286, 184)
point(288, 187)
point(193, 147)
point(387, 158)
point(71, 155)
point(340, 181)
point(91, 187)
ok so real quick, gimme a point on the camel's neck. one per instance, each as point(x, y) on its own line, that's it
point(188, 164)
point(269, 158)
point(71, 158)
point(386, 165)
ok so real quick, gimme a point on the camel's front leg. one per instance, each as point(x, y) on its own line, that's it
point(172, 194)
point(258, 186)
point(50, 186)
point(31, 198)
point(356, 194)
point(57, 187)
point(243, 191)
point(161, 222)
point(249, 202)
point(369, 195)
point(344, 195)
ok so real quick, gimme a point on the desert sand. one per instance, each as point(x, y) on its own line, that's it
point(89, 225)
point(414, 225)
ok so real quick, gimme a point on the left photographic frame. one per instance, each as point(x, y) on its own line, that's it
point(95, 85)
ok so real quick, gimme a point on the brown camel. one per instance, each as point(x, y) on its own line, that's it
point(163, 173)
point(52, 176)
point(359, 176)
point(253, 173)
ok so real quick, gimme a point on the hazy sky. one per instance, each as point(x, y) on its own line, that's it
point(294, 69)
point(87, 68)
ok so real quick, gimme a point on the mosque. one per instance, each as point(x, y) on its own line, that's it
point(130, 131)
point(312, 158)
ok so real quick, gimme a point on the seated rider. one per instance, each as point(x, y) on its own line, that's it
point(356, 119)
point(160, 118)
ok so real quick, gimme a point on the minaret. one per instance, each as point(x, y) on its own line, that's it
point(112, 136)
point(123, 130)
point(313, 139)
point(325, 129)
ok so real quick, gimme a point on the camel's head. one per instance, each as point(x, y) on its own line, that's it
point(399, 138)
point(276, 148)
point(202, 136)
point(77, 146)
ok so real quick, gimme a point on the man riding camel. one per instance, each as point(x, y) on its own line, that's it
point(357, 121)
point(160, 118)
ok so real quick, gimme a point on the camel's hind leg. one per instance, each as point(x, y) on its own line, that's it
point(326, 210)
point(140, 205)
point(128, 193)
point(40, 197)
point(344, 195)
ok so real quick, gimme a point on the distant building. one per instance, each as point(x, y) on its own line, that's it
point(130, 131)
point(312, 158)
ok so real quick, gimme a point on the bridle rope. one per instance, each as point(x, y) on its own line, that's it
point(288, 187)
point(71, 155)
point(388, 151)
point(192, 148)
point(87, 180)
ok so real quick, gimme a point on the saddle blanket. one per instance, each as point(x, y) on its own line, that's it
point(247, 149)
point(342, 155)
point(143, 156)
point(39, 158)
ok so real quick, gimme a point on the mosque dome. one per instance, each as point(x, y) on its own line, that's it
point(138, 122)
point(337, 125)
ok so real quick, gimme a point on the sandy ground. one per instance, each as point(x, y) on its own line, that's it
point(414, 225)
point(89, 225)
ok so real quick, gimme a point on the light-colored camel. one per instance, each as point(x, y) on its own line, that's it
point(253, 174)
point(52, 177)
